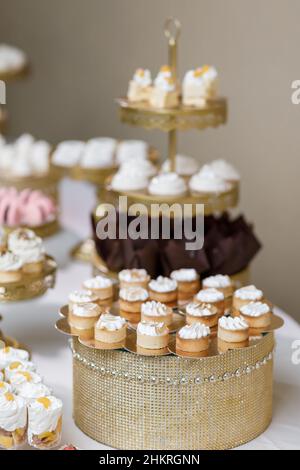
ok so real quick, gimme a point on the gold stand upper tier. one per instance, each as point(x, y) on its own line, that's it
point(180, 118)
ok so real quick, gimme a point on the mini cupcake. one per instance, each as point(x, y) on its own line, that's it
point(207, 182)
point(194, 88)
point(193, 338)
point(125, 180)
point(168, 185)
point(140, 86)
point(10, 267)
point(110, 329)
point(233, 330)
point(206, 314)
point(245, 295)
point(164, 290)
point(134, 278)
point(45, 422)
point(12, 59)
point(101, 286)
point(13, 421)
point(156, 312)
point(81, 297)
point(152, 335)
point(213, 297)
point(16, 366)
point(188, 281)
point(141, 166)
point(25, 244)
point(222, 283)
point(257, 314)
point(131, 301)
point(82, 319)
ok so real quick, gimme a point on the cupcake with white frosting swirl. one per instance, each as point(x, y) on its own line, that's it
point(152, 335)
point(13, 421)
point(167, 185)
point(184, 165)
point(131, 301)
point(193, 338)
point(45, 422)
point(213, 297)
point(81, 297)
point(221, 282)
point(134, 278)
point(207, 182)
point(257, 314)
point(245, 295)
point(206, 314)
point(225, 170)
point(21, 377)
point(188, 281)
point(164, 290)
point(132, 150)
point(157, 312)
point(30, 249)
point(129, 180)
point(16, 366)
point(110, 329)
point(9, 354)
point(233, 330)
point(83, 318)
point(101, 286)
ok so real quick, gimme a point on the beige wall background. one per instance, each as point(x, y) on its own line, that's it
point(84, 51)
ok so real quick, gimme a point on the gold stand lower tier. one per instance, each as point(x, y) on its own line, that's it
point(131, 402)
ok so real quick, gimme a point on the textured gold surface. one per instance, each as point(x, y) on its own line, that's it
point(182, 118)
point(31, 285)
point(44, 231)
point(123, 407)
point(213, 203)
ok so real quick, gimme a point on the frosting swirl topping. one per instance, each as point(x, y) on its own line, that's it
point(207, 181)
point(210, 295)
point(185, 275)
point(134, 294)
point(98, 282)
point(194, 331)
point(255, 309)
point(89, 310)
point(13, 412)
point(8, 355)
point(43, 415)
point(25, 244)
point(133, 275)
point(201, 310)
point(110, 322)
point(163, 284)
point(155, 309)
point(225, 170)
point(248, 293)
point(230, 323)
point(217, 281)
point(82, 297)
point(167, 184)
point(30, 391)
point(10, 261)
point(152, 329)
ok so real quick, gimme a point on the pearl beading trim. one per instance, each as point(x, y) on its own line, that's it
point(246, 370)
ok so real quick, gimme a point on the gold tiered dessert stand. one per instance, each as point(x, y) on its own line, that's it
point(172, 120)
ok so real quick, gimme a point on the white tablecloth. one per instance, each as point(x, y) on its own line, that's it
point(33, 322)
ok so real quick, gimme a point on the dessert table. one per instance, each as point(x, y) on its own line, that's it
point(32, 323)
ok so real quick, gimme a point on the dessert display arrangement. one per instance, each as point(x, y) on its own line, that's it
point(26, 271)
point(135, 338)
point(29, 413)
point(145, 313)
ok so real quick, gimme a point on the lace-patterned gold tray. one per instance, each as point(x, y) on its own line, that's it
point(182, 118)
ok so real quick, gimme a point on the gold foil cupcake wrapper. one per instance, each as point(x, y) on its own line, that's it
point(31, 285)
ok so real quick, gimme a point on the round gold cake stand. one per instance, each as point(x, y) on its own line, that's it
point(212, 203)
point(31, 285)
point(47, 183)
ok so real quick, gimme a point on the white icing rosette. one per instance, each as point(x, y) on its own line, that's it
point(68, 153)
point(163, 284)
point(207, 181)
point(99, 153)
point(25, 244)
point(255, 309)
point(10, 262)
point(167, 184)
point(9, 355)
point(132, 150)
point(225, 170)
point(30, 391)
point(16, 366)
point(43, 415)
point(185, 275)
point(13, 412)
point(248, 293)
point(133, 294)
point(233, 323)
point(12, 59)
point(194, 331)
point(155, 309)
point(110, 322)
point(152, 329)
point(217, 282)
point(210, 295)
